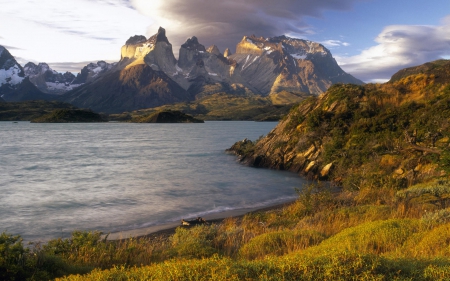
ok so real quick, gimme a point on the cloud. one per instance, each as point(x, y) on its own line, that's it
point(399, 46)
point(334, 43)
point(74, 67)
point(225, 22)
point(72, 30)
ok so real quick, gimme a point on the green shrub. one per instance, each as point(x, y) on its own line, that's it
point(196, 242)
point(377, 237)
point(279, 243)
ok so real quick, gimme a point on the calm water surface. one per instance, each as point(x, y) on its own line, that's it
point(57, 178)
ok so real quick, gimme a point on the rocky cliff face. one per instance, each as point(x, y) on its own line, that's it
point(272, 65)
point(14, 86)
point(392, 134)
point(11, 73)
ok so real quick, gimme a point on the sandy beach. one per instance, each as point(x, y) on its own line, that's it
point(169, 228)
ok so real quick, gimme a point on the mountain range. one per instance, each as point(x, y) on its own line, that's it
point(149, 75)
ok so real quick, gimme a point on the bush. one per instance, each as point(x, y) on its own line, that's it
point(13, 258)
point(279, 243)
point(196, 242)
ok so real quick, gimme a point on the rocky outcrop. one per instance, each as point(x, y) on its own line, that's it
point(155, 52)
point(214, 50)
point(354, 134)
point(227, 53)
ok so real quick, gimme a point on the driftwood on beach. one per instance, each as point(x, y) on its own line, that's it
point(197, 221)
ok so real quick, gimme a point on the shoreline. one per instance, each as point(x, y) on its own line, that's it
point(168, 229)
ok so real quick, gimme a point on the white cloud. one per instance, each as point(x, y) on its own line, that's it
point(399, 46)
point(69, 30)
point(334, 43)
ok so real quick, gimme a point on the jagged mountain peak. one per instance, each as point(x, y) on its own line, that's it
point(214, 50)
point(257, 46)
point(160, 36)
point(193, 44)
point(32, 69)
point(227, 53)
point(136, 39)
point(11, 72)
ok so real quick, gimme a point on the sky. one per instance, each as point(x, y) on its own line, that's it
point(370, 39)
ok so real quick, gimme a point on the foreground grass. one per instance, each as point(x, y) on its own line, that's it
point(321, 236)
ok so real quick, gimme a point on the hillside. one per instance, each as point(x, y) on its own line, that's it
point(395, 134)
point(166, 117)
point(224, 106)
point(69, 115)
point(28, 110)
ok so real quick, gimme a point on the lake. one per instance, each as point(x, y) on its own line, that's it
point(57, 178)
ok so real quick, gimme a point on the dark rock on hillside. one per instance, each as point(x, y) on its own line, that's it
point(136, 39)
point(190, 53)
point(132, 88)
point(69, 116)
point(92, 71)
point(167, 117)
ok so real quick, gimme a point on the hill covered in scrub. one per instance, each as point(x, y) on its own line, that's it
point(167, 117)
point(394, 134)
point(28, 110)
point(69, 116)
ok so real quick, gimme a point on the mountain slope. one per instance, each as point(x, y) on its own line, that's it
point(136, 82)
point(395, 134)
point(133, 88)
point(14, 86)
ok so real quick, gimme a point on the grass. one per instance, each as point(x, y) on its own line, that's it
point(341, 238)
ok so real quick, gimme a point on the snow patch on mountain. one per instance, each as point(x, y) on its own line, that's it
point(11, 75)
point(299, 56)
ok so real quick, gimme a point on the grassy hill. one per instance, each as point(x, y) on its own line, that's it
point(28, 110)
point(166, 117)
point(69, 116)
point(389, 135)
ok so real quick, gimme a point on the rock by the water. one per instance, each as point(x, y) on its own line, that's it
point(167, 117)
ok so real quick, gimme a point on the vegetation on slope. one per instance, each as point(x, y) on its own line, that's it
point(166, 117)
point(28, 110)
point(392, 135)
point(321, 236)
point(69, 116)
point(222, 106)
